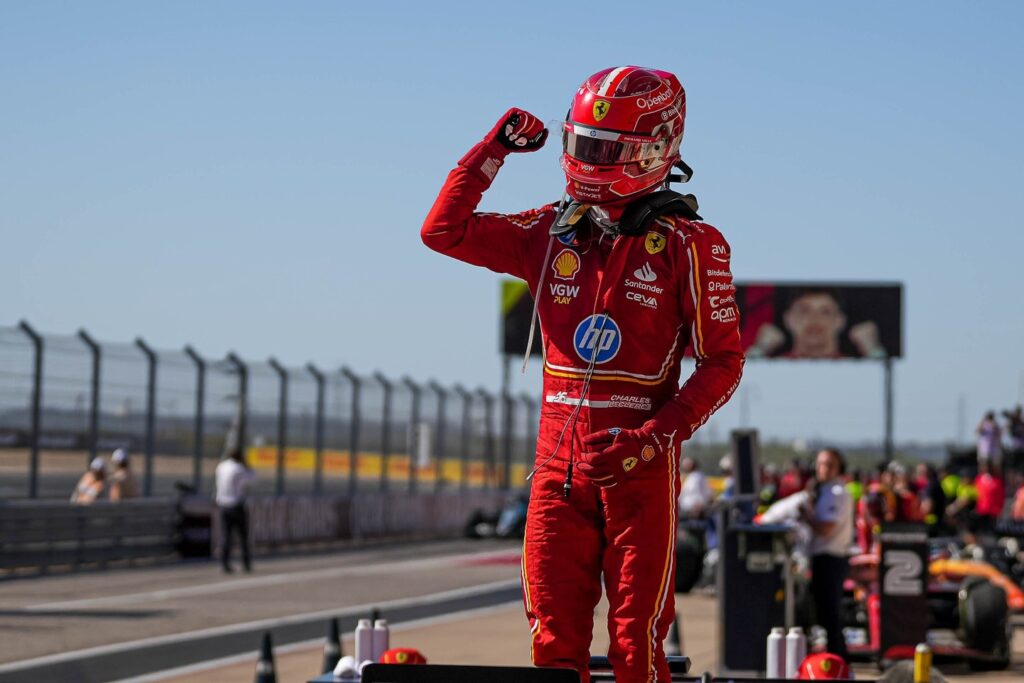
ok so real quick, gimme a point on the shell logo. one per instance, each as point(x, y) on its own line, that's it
point(566, 265)
point(647, 453)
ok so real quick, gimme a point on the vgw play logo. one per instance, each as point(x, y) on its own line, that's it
point(597, 339)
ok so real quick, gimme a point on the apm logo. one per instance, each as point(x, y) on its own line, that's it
point(597, 339)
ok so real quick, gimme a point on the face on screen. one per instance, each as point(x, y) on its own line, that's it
point(815, 321)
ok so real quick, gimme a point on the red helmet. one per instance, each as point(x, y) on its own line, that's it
point(622, 134)
point(822, 665)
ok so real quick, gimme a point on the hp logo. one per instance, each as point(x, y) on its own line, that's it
point(597, 339)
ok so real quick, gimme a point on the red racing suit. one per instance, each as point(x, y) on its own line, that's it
point(663, 291)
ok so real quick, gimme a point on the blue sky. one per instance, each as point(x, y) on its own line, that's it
point(252, 176)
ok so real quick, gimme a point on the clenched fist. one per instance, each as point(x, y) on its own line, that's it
point(519, 131)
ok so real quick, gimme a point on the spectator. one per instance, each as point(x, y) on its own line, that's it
point(858, 485)
point(90, 486)
point(233, 477)
point(695, 494)
point(1015, 429)
point(932, 499)
point(950, 481)
point(991, 495)
point(831, 523)
point(907, 506)
point(769, 492)
point(122, 483)
point(961, 513)
point(990, 440)
point(1018, 505)
point(792, 480)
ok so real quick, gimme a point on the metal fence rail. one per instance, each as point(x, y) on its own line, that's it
point(66, 399)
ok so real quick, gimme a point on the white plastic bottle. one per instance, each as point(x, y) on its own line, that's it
point(364, 641)
point(776, 660)
point(381, 638)
point(796, 650)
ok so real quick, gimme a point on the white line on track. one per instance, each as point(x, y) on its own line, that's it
point(309, 644)
point(226, 585)
point(254, 625)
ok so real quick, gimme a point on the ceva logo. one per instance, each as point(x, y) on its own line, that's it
point(597, 339)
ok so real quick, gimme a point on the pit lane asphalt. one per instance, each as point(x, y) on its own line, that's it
point(112, 625)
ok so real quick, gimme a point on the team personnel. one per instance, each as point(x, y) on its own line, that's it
point(831, 522)
point(625, 276)
point(233, 477)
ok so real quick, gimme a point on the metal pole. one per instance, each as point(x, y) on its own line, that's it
point(318, 438)
point(414, 431)
point(530, 438)
point(147, 477)
point(197, 453)
point(94, 399)
point(385, 433)
point(282, 423)
point(37, 403)
point(353, 431)
point(506, 423)
point(464, 438)
point(491, 464)
point(888, 408)
point(439, 430)
point(243, 400)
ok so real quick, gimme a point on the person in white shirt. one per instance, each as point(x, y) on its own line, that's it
point(695, 494)
point(233, 478)
point(831, 523)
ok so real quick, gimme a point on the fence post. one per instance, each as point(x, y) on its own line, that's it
point(530, 438)
point(197, 455)
point(282, 423)
point(414, 431)
point(353, 432)
point(318, 428)
point(385, 434)
point(147, 480)
point(488, 436)
point(439, 431)
point(467, 407)
point(508, 422)
point(243, 400)
point(94, 398)
point(37, 402)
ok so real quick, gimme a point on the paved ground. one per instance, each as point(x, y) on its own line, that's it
point(125, 614)
point(498, 637)
point(53, 616)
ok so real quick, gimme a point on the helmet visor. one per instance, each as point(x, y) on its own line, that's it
point(596, 146)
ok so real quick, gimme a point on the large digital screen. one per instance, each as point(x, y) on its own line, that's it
point(821, 320)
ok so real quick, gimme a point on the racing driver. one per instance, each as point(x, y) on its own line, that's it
point(625, 278)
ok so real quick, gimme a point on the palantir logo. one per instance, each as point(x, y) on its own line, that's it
point(597, 338)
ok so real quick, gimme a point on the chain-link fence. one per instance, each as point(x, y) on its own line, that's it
point(66, 400)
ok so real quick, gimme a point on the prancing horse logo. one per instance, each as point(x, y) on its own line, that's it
point(601, 108)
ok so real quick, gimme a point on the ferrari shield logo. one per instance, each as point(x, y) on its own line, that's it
point(629, 463)
point(601, 108)
point(654, 242)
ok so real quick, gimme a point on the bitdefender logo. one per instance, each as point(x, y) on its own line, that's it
point(597, 339)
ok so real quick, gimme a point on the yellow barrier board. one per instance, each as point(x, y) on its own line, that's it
point(369, 465)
